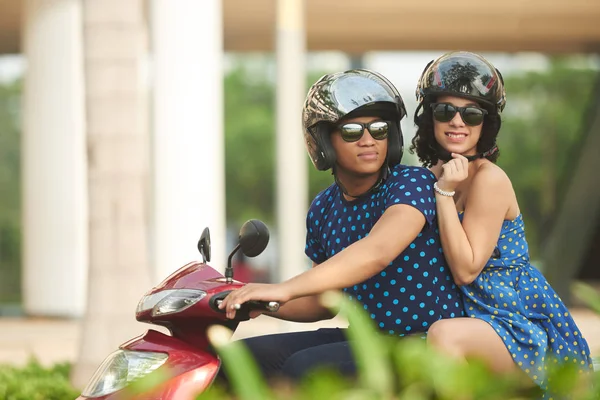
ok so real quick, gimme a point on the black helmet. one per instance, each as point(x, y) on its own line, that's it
point(468, 75)
point(463, 74)
point(352, 93)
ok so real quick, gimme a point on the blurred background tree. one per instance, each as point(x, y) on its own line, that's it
point(250, 147)
point(10, 192)
point(543, 125)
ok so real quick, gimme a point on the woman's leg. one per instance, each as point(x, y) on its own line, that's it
point(471, 338)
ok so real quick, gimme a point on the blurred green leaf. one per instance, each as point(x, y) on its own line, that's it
point(325, 384)
point(242, 372)
point(587, 294)
point(372, 356)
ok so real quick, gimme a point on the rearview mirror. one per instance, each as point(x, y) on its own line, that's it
point(204, 245)
point(254, 237)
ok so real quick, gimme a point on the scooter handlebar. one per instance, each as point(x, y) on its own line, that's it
point(243, 313)
point(271, 306)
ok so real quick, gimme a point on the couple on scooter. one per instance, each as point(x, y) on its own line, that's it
point(438, 250)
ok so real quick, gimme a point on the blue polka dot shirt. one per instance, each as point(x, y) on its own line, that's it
point(415, 289)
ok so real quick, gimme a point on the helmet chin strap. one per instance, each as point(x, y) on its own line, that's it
point(382, 177)
point(445, 155)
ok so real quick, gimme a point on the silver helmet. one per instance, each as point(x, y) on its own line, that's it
point(352, 93)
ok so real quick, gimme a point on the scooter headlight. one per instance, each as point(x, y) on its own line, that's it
point(120, 369)
point(170, 301)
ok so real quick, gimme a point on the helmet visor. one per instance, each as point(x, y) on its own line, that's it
point(350, 92)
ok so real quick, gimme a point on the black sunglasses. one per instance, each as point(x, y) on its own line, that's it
point(353, 131)
point(471, 115)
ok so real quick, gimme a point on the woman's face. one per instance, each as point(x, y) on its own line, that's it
point(456, 136)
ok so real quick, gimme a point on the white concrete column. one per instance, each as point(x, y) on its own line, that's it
point(292, 173)
point(188, 142)
point(115, 52)
point(53, 153)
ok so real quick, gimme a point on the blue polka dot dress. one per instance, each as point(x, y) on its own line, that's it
point(415, 289)
point(517, 301)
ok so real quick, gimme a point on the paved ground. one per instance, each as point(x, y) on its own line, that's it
point(52, 340)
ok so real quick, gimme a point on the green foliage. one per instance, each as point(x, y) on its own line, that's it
point(250, 158)
point(587, 295)
point(544, 123)
point(249, 148)
point(372, 356)
point(34, 382)
point(10, 193)
point(388, 368)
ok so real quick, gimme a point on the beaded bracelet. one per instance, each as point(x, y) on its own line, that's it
point(443, 192)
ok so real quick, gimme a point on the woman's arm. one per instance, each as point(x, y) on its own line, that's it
point(468, 246)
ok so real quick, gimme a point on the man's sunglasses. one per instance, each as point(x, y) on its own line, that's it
point(471, 115)
point(353, 131)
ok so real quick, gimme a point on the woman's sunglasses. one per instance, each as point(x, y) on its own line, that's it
point(471, 115)
point(353, 131)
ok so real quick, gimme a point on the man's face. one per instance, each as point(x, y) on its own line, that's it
point(366, 155)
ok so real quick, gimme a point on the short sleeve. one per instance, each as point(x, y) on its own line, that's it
point(413, 186)
point(314, 248)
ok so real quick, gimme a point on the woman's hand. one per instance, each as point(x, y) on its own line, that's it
point(453, 173)
point(254, 291)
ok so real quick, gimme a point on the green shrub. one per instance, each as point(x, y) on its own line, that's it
point(395, 369)
point(389, 369)
point(34, 382)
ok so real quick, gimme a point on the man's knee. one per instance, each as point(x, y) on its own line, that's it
point(298, 365)
point(260, 346)
point(337, 357)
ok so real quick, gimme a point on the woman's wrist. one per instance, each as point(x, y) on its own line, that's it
point(443, 192)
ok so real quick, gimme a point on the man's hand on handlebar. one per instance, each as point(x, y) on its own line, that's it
point(253, 291)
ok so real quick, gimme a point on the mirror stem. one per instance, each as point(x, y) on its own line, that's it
point(229, 269)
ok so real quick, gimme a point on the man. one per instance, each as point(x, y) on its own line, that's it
point(372, 234)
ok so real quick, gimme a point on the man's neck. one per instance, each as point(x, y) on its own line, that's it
point(355, 185)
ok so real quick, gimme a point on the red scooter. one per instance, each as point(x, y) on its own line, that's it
point(186, 303)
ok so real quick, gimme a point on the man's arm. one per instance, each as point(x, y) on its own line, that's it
point(302, 309)
point(396, 229)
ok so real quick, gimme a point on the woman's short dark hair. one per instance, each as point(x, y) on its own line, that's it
point(426, 147)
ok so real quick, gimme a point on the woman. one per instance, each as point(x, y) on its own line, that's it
point(517, 319)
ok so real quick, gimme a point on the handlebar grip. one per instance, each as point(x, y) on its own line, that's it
point(270, 306)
